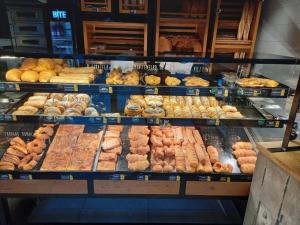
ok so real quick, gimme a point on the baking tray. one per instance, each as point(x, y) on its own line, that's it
point(222, 138)
point(26, 133)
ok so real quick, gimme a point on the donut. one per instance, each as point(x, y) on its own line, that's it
point(43, 133)
point(36, 146)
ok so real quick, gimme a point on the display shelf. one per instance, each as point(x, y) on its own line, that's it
point(103, 120)
point(278, 92)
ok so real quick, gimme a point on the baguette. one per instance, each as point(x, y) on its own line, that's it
point(70, 70)
point(75, 80)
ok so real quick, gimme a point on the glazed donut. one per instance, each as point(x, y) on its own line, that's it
point(43, 133)
point(36, 146)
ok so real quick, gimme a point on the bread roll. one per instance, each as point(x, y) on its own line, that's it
point(13, 75)
point(58, 61)
point(29, 109)
point(46, 75)
point(58, 68)
point(35, 103)
point(164, 44)
point(48, 64)
point(30, 76)
point(28, 64)
point(79, 70)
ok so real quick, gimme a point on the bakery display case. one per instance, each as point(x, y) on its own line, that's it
point(129, 126)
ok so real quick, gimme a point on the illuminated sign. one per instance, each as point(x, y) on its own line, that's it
point(59, 14)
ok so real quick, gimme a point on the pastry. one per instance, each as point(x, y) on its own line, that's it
point(247, 168)
point(35, 103)
point(13, 75)
point(30, 76)
point(79, 70)
point(30, 109)
point(90, 111)
point(46, 75)
point(153, 112)
point(115, 77)
point(164, 44)
point(247, 160)
point(213, 154)
point(75, 80)
point(52, 111)
point(152, 80)
point(257, 82)
point(46, 63)
point(133, 109)
point(58, 61)
point(28, 64)
point(172, 81)
point(243, 153)
point(195, 81)
point(242, 144)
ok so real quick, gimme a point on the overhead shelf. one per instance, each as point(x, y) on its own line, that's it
point(95, 88)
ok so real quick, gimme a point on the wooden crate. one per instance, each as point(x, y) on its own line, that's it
point(96, 5)
point(181, 21)
point(115, 38)
point(236, 27)
point(133, 6)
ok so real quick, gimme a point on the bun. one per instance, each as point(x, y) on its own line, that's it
point(30, 76)
point(58, 61)
point(48, 64)
point(52, 111)
point(153, 112)
point(46, 75)
point(152, 80)
point(28, 64)
point(164, 44)
point(133, 109)
point(58, 68)
point(13, 75)
point(90, 111)
point(39, 68)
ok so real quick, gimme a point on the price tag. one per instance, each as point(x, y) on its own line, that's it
point(174, 178)
point(135, 119)
point(240, 91)
point(282, 92)
point(47, 119)
point(104, 120)
point(217, 122)
point(114, 120)
point(277, 124)
point(202, 178)
point(12, 87)
point(2, 117)
point(70, 88)
point(105, 89)
point(117, 177)
point(154, 121)
point(278, 92)
point(66, 177)
point(256, 92)
point(9, 118)
point(225, 93)
point(192, 92)
point(2, 87)
point(165, 122)
point(142, 177)
point(25, 177)
point(261, 122)
point(151, 91)
point(6, 177)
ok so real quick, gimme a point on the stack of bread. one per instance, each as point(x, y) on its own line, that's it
point(116, 77)
point(72, 149)
point(146, 106)
point(50, 70)
point(111, 148)
point(245, 155)
point(163, 149)
point(57, 104)
point(197, 107)
point(26, 156)
point(139, 147)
